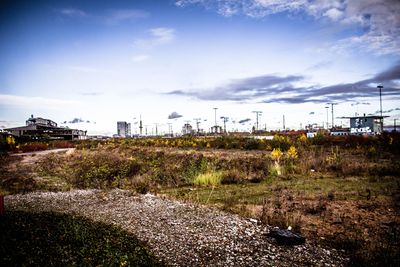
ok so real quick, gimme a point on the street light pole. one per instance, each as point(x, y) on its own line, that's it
point(327, 118)
point(215, 116)
point(380, 87)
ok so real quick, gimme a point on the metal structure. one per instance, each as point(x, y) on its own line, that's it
point(380, 87)
point(258, 113)
point(225, 119)
point(198, 120)
point(141, 126)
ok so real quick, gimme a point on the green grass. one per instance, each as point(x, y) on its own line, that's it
point(208, 178)
point(52, 239)
point(312, 188)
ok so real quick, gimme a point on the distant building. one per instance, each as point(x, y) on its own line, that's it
point(187, 129)
point(123, 129)
point(366, 125)
point(40, 128)
point(340, 131)
point(217, 130)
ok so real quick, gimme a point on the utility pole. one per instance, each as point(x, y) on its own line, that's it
point(197, 123)
point(327, 117)
point(380, 87)
point(258, 113)
point(395, 125)
point(141, 126)
point(333, 122)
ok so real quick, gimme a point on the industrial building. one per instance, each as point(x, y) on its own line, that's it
point(366, 125)
point(123, 129)
point(187, 129)
point(40, 128)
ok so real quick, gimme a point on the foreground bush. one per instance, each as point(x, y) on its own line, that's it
point(51, 239)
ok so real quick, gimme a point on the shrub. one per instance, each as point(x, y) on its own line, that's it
point(252, 144)
point(141, 184)
point(232, 177)
point(30, 147)
point(100, 170)
point(209, 178)
point(292, 153)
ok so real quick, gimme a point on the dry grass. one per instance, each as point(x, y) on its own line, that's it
point(344, 196)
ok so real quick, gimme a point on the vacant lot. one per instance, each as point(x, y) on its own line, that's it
point(337, 195)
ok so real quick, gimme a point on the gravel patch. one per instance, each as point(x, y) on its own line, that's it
point(181, 234)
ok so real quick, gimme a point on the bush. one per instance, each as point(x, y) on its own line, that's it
point(31, 147)
point(232, 177)
point(100, 170)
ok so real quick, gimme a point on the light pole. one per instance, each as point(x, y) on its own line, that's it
point(215, 116)
point(380, 87)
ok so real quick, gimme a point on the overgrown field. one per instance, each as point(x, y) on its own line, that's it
point(344, 192)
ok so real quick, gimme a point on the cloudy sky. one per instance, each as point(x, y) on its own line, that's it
point(88, 64)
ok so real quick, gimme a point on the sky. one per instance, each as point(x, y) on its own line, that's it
point(88, 64)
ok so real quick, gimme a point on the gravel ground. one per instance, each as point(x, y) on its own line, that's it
point(181, 234)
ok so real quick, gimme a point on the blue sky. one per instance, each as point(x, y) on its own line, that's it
point(105, 61)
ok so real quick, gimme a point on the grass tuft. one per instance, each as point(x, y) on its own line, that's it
point(209, 178)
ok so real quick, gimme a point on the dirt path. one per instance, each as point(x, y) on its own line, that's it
point(32, 157)
point(181, 234)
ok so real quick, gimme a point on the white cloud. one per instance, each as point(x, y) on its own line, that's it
point(334, 14)
point(140, 58)
point(118, 16)
point(158, 36)
point(380, 19)
point(110, 17)
point(86, 69)
point(35, 102)
point(73, 12)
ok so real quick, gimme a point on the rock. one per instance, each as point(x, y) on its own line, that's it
point(286, 237)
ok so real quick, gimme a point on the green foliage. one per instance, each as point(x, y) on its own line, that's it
point(281, 142)
point(52, 239)
point(100, 170)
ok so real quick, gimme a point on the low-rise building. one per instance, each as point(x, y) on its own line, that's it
point(40, 128)
point(187, 129)
point(366, 125)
